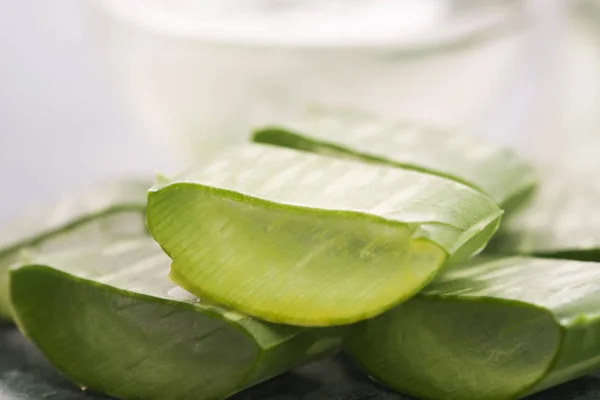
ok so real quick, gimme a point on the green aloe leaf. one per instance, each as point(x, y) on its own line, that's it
point(492, 329)
point(113, 209)
point(109, 319)
point(301, 239)
point(499, 172)
point(563, 220)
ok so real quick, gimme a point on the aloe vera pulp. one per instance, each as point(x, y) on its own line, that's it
point(297, 238)
point(125, 330)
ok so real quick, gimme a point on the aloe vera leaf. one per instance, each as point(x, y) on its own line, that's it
point(296, 238)
point(127, 331)
point(563, 220)
point(497, 171)
point(492, 329)
point(115, 209)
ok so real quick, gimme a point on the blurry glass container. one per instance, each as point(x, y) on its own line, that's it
point(202, 72)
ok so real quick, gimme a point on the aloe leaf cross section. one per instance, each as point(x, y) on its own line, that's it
point(497, 171)
point(492, 329)
point(109, 319)
point(104, 211)
point(296, 238)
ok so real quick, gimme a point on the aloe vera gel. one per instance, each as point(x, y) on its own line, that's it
point(296, 238)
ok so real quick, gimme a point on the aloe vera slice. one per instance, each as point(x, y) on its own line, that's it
point(563, 220)
point(489, 330)
point(297, 238)
point(110, 320)
point(499, 172)
point(115, 209)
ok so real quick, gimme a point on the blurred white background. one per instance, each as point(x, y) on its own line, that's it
point(62, 120)
point(66, 117)
point(202, 73)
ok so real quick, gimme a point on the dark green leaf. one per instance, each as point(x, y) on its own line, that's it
point(109, 319)
point(491, 329)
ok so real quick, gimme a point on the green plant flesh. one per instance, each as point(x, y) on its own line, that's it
point(109, 318)
point(493, 329)
point(106, 211)
point(496, 171)
point(297, 238)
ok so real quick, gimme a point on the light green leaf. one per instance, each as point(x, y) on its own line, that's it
point(297, 238)
point(563, 220)
point(499, 172)
point(114, 209)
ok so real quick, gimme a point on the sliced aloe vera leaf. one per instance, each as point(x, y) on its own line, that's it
point(109, 318)
point(490, 329)
point(115, 209)
point(563, 220)
point(497, 171)
point(297, 238)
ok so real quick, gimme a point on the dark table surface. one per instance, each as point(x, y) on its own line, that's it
point(26, 375)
